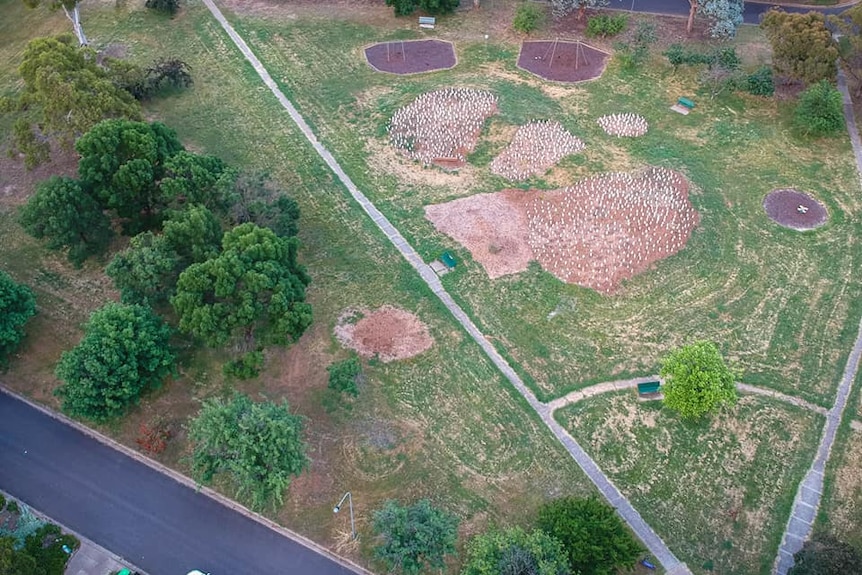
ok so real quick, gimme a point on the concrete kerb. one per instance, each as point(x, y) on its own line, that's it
point(84, 540)
point(190, 483)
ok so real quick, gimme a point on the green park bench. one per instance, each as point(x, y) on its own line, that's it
point(649, 387)
point(685, 102)
point(448, 260)
point(427, 22)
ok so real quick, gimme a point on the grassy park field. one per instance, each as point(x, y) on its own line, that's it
point(781, 304)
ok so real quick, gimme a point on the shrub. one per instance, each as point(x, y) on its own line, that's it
point(760, 83)
point(528, 17)
point(17, 306)
point(633, 54)
point(246, 367)
point(2, 502)
point(679, 55)
point(343, 375)
point(13, 507)
point(820, 111)
point(153, 438)
point(605, 25)
point(414, 538)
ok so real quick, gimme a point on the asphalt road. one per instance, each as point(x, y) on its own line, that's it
point(161, 526)
point(751, 13)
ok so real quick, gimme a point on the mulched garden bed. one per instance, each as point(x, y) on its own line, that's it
point(565, 62)
point(794, 209)
point(411, 57)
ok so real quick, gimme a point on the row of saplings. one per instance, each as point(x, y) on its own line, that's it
point(212, 257)
point(572, 536)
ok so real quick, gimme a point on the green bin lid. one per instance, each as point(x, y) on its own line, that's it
point(124, 572)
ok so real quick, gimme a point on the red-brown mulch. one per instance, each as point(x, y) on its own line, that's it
point(411, 57)
point(783, 207)
point(567, 62)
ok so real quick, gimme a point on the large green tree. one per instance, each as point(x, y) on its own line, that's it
point(515, 552)
point(697, 380)
point(65, 214)
point(259, 445)
point(66, 93)
point(198, 179)
point(802, 46)
point(823, 554)
point(125, 351)
point(252, 292)
point(145, 272)
point(820, 111)
point(123, 161)
point(595, 538)
point(413, 537)
point(194, 234)
point(17, 305)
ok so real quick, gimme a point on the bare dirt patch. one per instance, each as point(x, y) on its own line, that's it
point(492, 226)
point(387, 333)
point(795, 210)
point(411, 57)
point(17, 182)
point(603, 230)
point(536, 147)
point(623, 125)
point(442, 127)
point(562, 61)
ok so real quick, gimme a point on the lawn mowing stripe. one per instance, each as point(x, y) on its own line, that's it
point(653, 542)
point(794, 536)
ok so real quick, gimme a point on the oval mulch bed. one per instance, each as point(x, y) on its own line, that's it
point(411, 57)
point(567, 62)
point(795, 210)
point(388, 333)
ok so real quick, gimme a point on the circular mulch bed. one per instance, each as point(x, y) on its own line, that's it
point(795, 210)
point(411, 57)
point(388, 333)
point(563, 62)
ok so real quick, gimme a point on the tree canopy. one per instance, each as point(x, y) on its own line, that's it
point(259, 445)
point(17, 306)
point(802, 46)
point(68, 91)
point(848, 24)
point(820, 111)
point(122, 161)
point(198, 179)
point(65, 214)
point(697, 380)
point(515, 552)
point(725, 16)
point(253, 290)
point(257, 200)
point(413, 537)
point(145, 272)
point(825, 555)
point(594, 537)
point(125, 351)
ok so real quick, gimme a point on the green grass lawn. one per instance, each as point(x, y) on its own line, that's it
point(443, 425)
point(779, 302)
point(718, 492)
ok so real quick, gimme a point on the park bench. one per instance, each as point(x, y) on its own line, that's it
point(427, 22)
point(685, 102)
point(649, 387)
point(448, 260)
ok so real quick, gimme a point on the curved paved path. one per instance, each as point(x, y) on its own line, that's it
point(652, 541)
point(609, 386)
point(810, 491)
